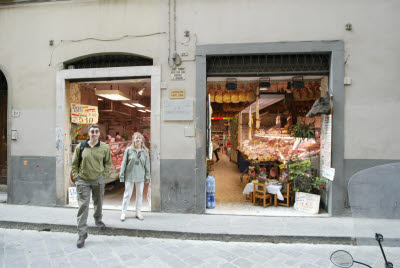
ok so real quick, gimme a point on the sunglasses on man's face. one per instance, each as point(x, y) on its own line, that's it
point(95, 131)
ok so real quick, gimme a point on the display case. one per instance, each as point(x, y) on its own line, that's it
point(117, 154)
point(276, 146)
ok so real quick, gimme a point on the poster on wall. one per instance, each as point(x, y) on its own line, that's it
point(84, 114)
point(326, 147)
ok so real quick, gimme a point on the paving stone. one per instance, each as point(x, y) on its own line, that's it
point(110, 251)
point(227, 265)
point(241, 262)
point(193, 261)
point(60, 262)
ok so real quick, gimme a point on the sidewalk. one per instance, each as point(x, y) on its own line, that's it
point(325, 230)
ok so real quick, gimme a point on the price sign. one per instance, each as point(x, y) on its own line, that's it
point(84, 114)
point(72, 196)
point(308, 203)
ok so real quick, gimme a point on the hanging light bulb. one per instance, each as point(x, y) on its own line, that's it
point(141, 91)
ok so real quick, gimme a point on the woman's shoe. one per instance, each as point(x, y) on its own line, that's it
point(140, 217)
point(122, 218)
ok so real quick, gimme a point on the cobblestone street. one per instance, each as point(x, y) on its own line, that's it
point(25, 248)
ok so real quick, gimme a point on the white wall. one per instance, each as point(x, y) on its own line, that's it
point(371, 47)
point(371, 104)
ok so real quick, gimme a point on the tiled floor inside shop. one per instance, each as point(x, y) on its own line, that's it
point(229, 198)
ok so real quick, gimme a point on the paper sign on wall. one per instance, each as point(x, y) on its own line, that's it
point(178, 110)
point(84, 114)
point(328, 173)
point(73, 197)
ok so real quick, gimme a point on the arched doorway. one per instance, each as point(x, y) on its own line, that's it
point(3, 128)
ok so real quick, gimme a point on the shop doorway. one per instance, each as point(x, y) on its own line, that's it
point(124, 107)
point(137, 75)
point(3, 128)
point(252, 136)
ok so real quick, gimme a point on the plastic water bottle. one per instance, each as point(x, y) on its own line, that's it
point(210, 189)
point(208, 200)
point(212, 200)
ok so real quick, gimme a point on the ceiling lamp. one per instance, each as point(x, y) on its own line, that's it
point(147, 110)
point(143, 111)
point(115, 95)
point(264, 83)
point(231, 83)
point(298, 82)
point(140, 92)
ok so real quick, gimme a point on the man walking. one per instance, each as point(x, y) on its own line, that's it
point(91, 164)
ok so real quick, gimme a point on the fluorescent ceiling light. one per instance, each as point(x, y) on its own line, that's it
point(137, 104)
point(128, 104)
point(142, 111)
point(115, 95)
point(148, 111)
point(99, 99)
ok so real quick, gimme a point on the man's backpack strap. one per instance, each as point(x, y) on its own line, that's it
point(83, 145)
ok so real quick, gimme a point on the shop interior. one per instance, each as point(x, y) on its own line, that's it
point(253, 123)
point(124, 107)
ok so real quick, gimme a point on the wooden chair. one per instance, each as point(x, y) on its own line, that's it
point(288, 195)
point(260, 192)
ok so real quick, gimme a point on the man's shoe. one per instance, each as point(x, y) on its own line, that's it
point(140, 217)
point(101, 225)
point(122, 218)
point(81, 241)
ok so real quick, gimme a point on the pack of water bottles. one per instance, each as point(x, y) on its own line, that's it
point(210, 197)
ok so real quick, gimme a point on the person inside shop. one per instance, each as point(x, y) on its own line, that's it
point(91, 164)
point(215, 148)
point(135, 171)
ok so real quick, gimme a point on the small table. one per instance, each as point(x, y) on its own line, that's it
point(274, 189)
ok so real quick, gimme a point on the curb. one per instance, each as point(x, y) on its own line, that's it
point(111, 231)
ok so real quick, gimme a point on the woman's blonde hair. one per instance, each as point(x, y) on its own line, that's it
point(142, 145)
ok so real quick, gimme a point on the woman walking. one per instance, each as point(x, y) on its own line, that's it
point(135, 171)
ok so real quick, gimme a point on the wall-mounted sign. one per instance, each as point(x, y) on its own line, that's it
point(178, 73)
point(84, 114)
point(326, 147)
point(178, 110)
point(177, 94)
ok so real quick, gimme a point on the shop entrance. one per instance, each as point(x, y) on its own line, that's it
point(3, 128)
point(124, 107)
point(259, 135)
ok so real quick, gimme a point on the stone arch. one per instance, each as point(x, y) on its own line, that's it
point(107, 60)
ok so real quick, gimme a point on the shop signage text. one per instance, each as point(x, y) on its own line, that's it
point(178, 73)
point(84, 114)
point(308, 203)
point(177, 94)
point(178, 110)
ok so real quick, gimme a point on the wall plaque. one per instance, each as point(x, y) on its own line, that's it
point(178, 73)
point(177, 94)
point(178, 110)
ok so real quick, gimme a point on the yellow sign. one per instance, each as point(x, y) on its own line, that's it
point(177, 94)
